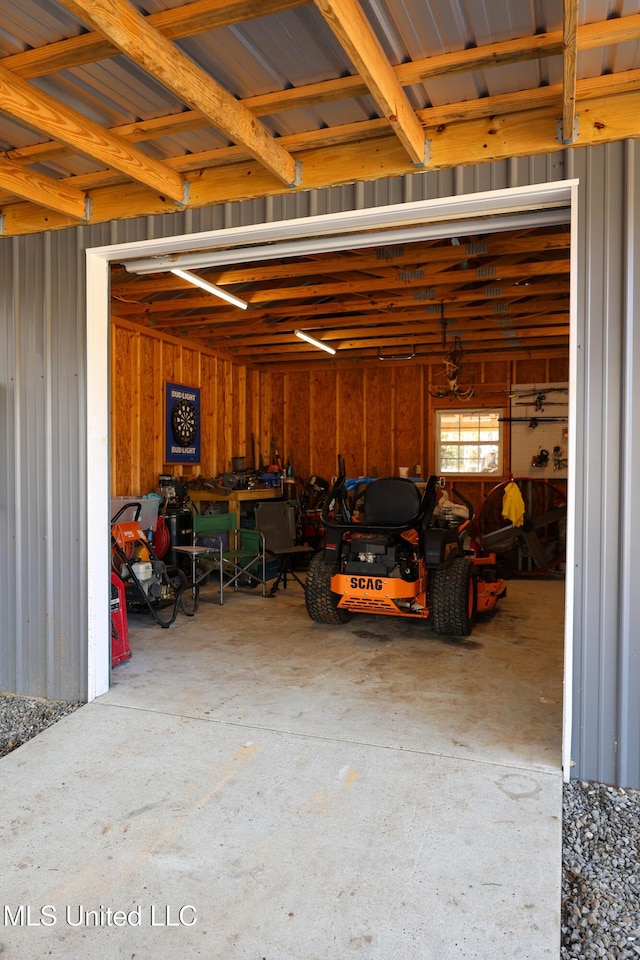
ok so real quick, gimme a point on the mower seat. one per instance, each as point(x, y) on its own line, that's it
point(391, 501)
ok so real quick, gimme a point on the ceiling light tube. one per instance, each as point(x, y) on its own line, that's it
point(314, 343)
point(211, 288)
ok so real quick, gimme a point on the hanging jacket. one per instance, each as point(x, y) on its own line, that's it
point(513, 504)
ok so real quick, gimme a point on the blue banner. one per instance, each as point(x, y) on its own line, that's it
point(182, 424)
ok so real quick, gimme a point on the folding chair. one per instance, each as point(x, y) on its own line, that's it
point(234, 554)
point(277, 522)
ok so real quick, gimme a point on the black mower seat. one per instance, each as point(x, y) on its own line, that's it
point(391, 501)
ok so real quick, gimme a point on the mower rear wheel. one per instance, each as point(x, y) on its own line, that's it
point(454, 596)
point(321, 602)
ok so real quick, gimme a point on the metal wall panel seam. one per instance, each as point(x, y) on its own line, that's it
point(580, 618)
point(596, 493)
point(48, 440)
point(613, 269)
point(589, 725)
point(17, 485)
point(8, 438)
point(578, 167)
point(598, 647)
point(628, 715)
point(81, 388)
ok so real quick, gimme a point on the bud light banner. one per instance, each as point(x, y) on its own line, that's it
point(182, 424)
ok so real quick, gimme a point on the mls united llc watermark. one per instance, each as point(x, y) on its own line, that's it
point(25, 915)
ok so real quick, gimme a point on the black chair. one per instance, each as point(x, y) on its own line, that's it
point(276, 521)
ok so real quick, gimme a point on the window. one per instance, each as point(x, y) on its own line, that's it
point(469, 442)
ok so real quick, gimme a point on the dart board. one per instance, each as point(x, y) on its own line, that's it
point(182, 423)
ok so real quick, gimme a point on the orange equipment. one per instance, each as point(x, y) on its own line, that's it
point(402, 560)
point(148, 582)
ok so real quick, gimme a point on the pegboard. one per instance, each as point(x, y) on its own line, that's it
point(538, 421)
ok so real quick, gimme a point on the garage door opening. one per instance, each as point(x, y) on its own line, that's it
point(498, 211)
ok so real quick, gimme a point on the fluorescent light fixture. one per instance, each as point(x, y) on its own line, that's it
point(211, 288)
point(314, 343)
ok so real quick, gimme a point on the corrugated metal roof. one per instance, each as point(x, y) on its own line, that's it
point(295, 47)
point(287, 50)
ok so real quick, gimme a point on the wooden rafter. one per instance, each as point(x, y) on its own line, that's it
point(45, 191)
point(504, 293)
point(505, 105)
point(365, 286)
point(131, 33)
point(43, 112)
point(346, 19)
point(259, 273)
point(608, 32)
point(29, 64)
point(175, 23)
point(193, 18)
point(569, 68)
point(610, 102)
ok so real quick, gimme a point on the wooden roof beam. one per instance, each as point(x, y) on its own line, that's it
point(530, 350)
point(353, 30)
point(376, 309)
point(193, 18)
point(569, 65)
point(175, 124)
point(181, 21)
point(39, 110)
point(527, 133)
point(367, 285)
point(155, 283)
point(417, 329)
point(132, 34)
point(433, 343)
point(45, 191)
point(404, 315)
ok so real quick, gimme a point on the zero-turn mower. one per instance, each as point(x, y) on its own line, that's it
point(402, 559)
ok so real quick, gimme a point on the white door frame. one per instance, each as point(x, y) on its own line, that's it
point(439, 215)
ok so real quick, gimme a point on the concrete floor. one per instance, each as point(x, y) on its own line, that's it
point(258, 787)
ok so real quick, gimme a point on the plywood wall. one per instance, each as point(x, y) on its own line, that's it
point(377, 418)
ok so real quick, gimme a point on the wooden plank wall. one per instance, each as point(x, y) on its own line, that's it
point(378, 418)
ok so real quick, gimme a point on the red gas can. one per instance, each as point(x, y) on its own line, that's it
point(120, 649)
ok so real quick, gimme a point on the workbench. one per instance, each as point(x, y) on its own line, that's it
point(234, 498)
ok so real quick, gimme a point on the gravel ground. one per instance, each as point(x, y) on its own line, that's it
point(23, 717)
point(601, 847)
point(601, 872)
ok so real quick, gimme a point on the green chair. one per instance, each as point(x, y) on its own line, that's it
point(237, 556)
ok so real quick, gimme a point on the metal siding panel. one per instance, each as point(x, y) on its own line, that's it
point(67, 482)
point(629, 678)
point(8, 581)
point(29, 505)
point(602, 257)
